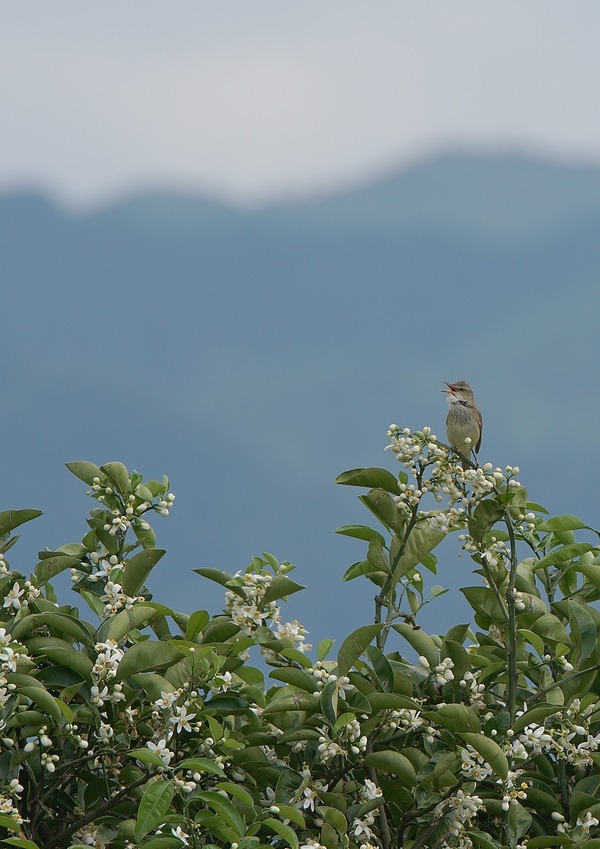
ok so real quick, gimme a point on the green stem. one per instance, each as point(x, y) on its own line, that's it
point(564, 790)
point(384, 828)
point(555, 684)
point(513, 674)
point(496, 591)
point(386, 597)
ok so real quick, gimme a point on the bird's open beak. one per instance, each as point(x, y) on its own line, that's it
point(450, 388)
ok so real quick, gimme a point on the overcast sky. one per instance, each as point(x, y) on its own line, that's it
point(256, 98)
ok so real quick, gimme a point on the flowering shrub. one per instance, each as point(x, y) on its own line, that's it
point(152, 728)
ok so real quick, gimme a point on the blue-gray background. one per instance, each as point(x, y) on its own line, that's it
point(230, 254)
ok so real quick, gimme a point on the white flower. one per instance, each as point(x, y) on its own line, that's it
point(181, 835)
point(13, 597)
point(161, 749)
point(8, 658)
point(308, 799)
point(105, 733)
point(223, 681)
point(587, 822)
point(166, 701)
point(361, 827)
point(182, 719)
point(369, 790)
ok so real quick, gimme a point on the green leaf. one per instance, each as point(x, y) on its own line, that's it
point(336, 818)
point(126, 621)
point(144, 533)
point(581, 802)
point(216, 575)
point(147, 656)
point(484, 602)
point(421, 541)
point(196, 623)
point(382, 668)
point(226, 811)
point(146, 756)
point(370, 477)
point(201, 765)
point(490, 751)
point(395, 763)
point(561, 523)
point(354, 645)
point(533, 639)
point(391, 701)
point(68, 657)
point(237, 791)
point(8, 822)
point(59, 624)
point(301, 701)
point(583, 628)
point(43, 700)
point(21, 841)
point(377, 556)
point(293, 814)
point(455, 717)
point(563, 554)
point(486, 514)
point(420, 641)
point(27, 717)
point(119, 475)
point(551, 629)
point(138, 568)
point(536, 715)
point(153, 684)
point(382, 505)
point(10, 519)
point(296, 677)
point(329, 701)
point(481, 840)
point(85, 471)
point(288, 834)
point(153, 807)
point(161, 841)
point(324, 648)
point(280, 587)
point(364, 567)
point(93, 602)
point(288, 784)
point(361, 532)
point(51, 566)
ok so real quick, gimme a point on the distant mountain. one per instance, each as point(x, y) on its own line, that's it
point(254, 354)
point(480, 196)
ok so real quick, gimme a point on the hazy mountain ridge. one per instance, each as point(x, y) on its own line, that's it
point(491, 197)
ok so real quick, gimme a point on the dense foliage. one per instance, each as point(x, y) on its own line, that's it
point(150, 728)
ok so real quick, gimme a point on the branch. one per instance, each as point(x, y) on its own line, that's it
point(60, 840)
point(513, 673)
point(384, 828)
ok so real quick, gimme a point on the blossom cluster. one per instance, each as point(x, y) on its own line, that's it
point(459, 812)
point(246, 604)
point(567, 735)
point(11, 654)
point(438, 472)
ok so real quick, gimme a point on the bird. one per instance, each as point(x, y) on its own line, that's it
point(464, 420)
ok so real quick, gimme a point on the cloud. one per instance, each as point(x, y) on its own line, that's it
point(260, 100)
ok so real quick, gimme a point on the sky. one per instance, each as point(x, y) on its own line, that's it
point(256, 100)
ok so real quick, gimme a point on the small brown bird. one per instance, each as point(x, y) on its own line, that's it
point(464, 419)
